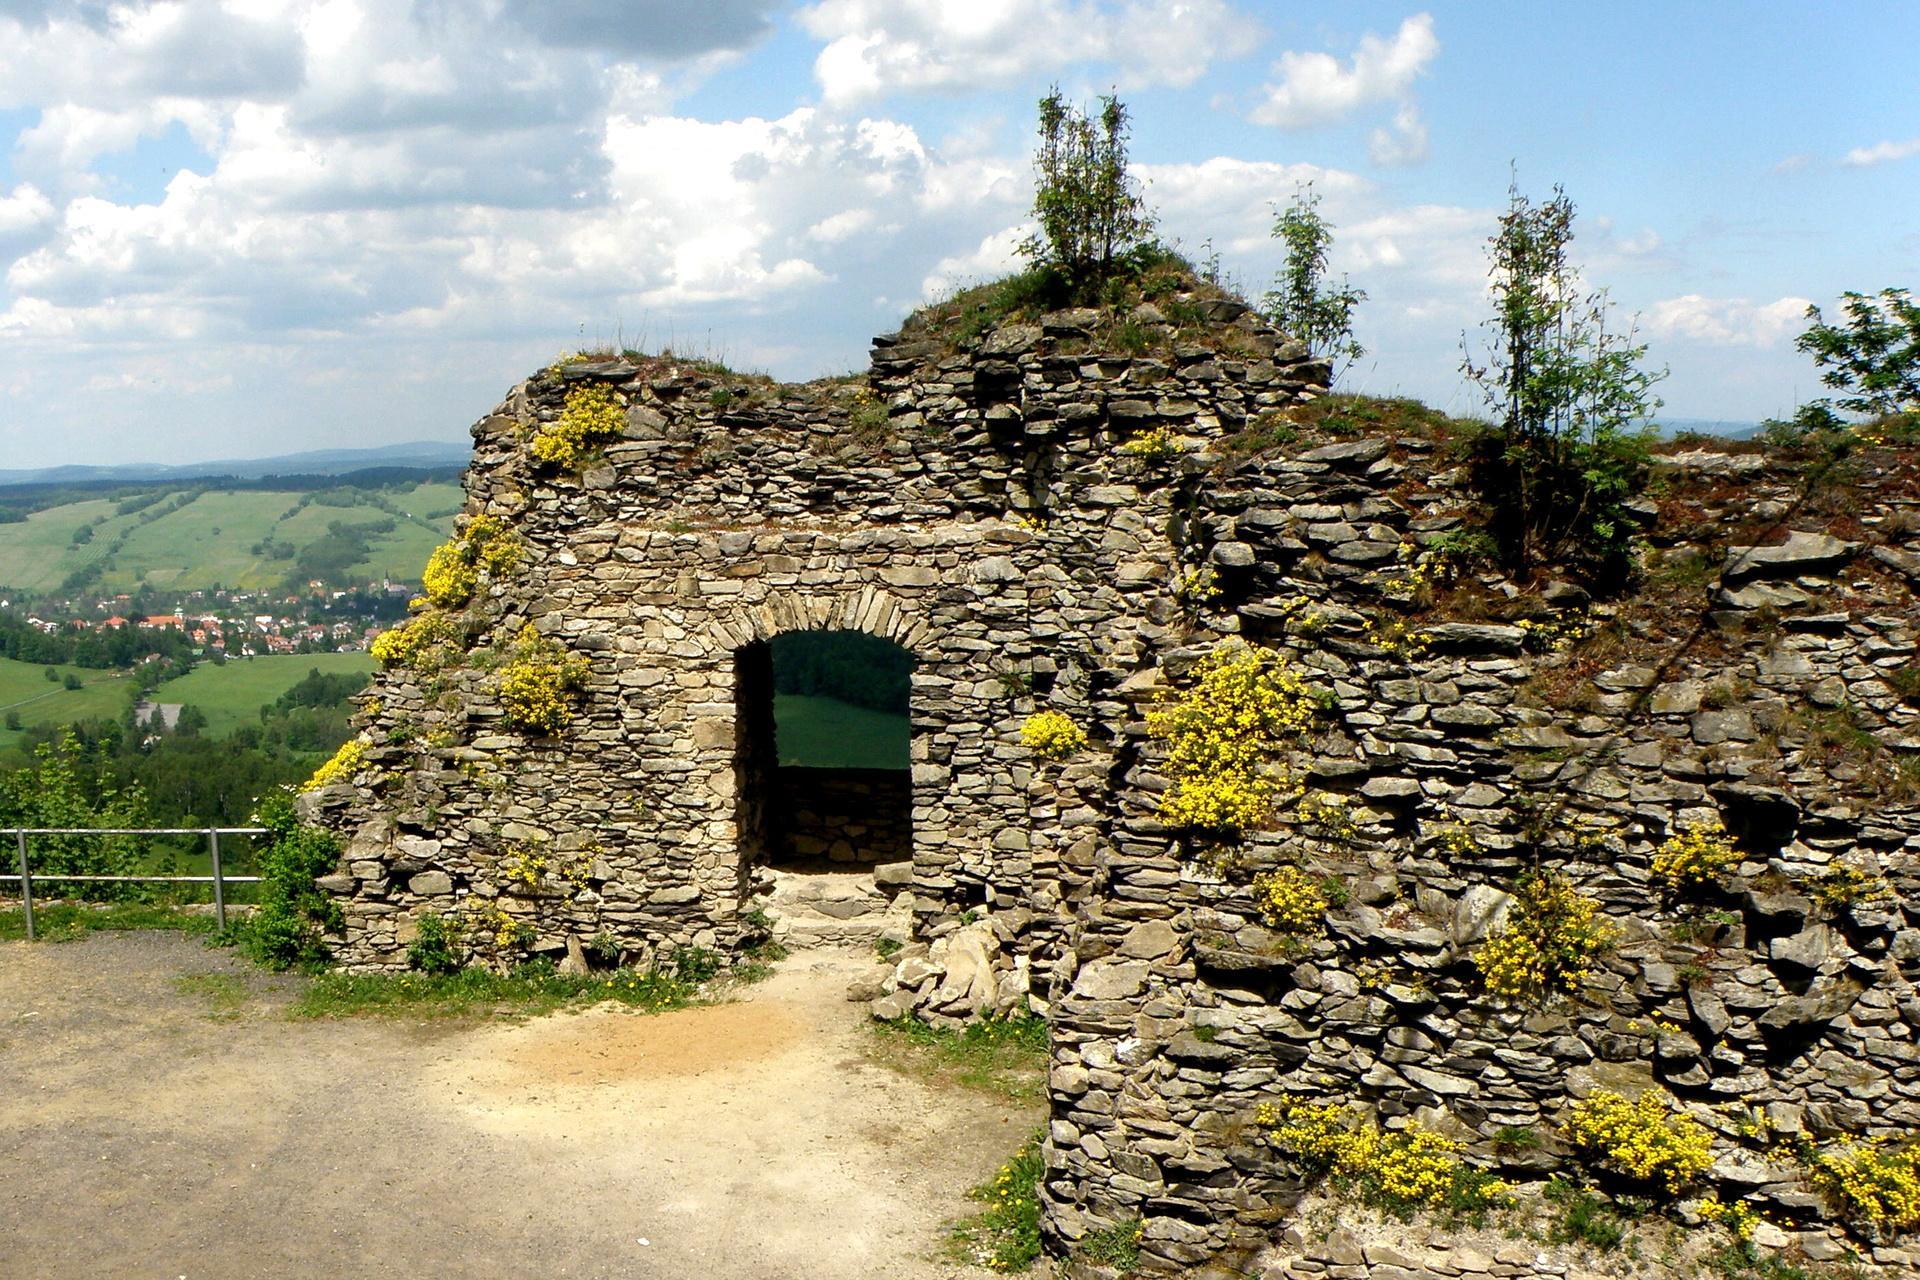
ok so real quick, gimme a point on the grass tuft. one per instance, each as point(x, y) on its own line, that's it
point(470, 993)
point(67, 921)
point(1002, 1056)
point(1005, 1235)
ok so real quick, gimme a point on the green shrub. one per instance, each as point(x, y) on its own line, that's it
point(1570, 450)
point(435, 946)
point(285, 932)
point(60, 787)
point(1087, 205)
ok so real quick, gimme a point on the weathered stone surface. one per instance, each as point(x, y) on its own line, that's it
point(974, 506)
point(1801, 553)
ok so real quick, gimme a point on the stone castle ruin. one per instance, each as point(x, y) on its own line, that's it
point(572, 752)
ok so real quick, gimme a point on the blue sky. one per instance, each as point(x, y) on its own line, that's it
point(233, 227)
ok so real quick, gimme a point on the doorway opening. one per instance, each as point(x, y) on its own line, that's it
point(824, 734)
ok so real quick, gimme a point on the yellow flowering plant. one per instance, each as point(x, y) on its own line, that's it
point(1155, 446)
point(493, 925)
point(1739, 1218)
point(1399, 1170)
point(533, 868)
point(1647, 1140)
point(347, 761)
point(1845, 883)
point(484, 550)
point(422, 641)
point(1289, 899)
point(1699, 854)
point(591, 416)
point(1051, 735)
point(1226, 736)
point(1874, 1182)
point(536, 685)
point(1552, 936)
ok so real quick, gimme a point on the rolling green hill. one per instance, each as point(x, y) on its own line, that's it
point(186, 539)
point(232, 693)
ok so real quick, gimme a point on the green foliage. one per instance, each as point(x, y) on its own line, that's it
point(1872, 355)
point(1005, 1235)
point(64, 787)
point(1512, 1139)
point(694, 965)
point(1570, 398)
point(1583, 1218)
point(1087, 204)
point(852, 666)
point(285, 931)
point(435, 948)
point(1302, 302)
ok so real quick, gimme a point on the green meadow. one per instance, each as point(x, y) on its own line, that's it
point(233, 692)
point(26, 692)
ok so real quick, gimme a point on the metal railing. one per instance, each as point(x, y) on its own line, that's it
point(218, 880)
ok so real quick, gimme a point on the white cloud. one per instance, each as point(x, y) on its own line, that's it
point(1881, 153)
point(993, 257)
point(1314, 88)
point(1726, 322)
point(1405, 142)
point(879, 47)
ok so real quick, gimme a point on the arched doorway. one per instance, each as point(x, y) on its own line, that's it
point(824, 733)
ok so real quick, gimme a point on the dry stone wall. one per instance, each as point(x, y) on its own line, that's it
point(976, 503)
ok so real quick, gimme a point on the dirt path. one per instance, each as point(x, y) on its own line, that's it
point(144, 1132)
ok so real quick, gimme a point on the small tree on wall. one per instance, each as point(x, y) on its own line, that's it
point(1569, 398)
point(1087, 204)
point(1302, 302)
point(1871, 354)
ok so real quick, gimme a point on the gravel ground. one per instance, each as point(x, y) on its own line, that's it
point(160, 1116)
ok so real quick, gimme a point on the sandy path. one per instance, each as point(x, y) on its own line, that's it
point(140, 1136)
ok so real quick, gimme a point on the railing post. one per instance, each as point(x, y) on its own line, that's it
point(219, 889)
point(26, 883)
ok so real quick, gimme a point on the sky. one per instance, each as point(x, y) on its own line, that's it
point(236, 228)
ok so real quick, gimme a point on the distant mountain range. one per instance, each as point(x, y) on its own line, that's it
point(423, 455)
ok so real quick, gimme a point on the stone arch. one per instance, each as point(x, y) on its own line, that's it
point(869, 609)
